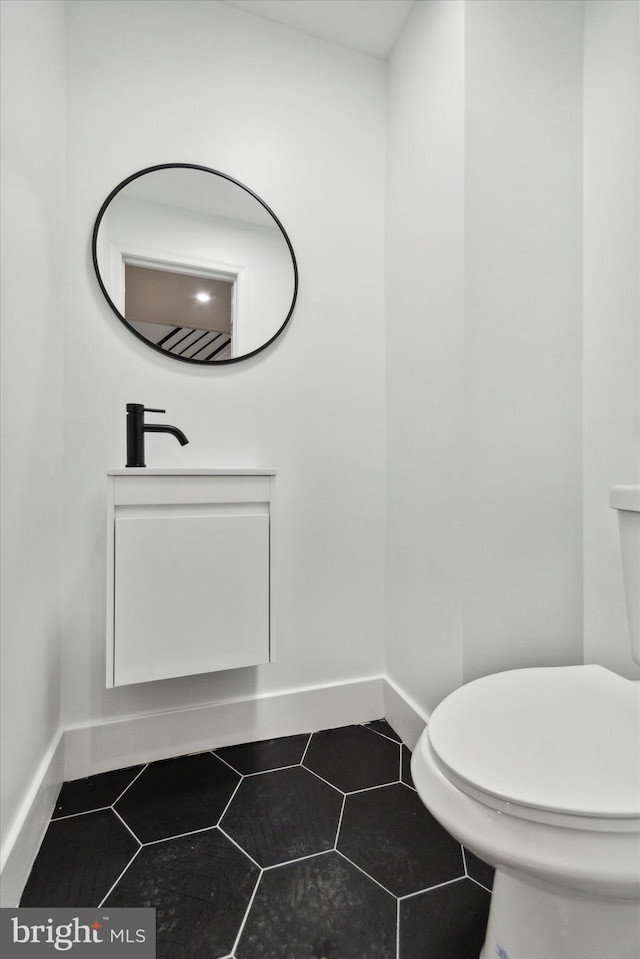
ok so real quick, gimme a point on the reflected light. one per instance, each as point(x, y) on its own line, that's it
point(202, 297)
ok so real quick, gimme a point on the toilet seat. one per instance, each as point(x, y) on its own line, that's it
point(559, 745)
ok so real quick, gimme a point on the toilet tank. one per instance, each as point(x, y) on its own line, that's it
point(626, 500)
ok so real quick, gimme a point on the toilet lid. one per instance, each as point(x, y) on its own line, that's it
point(564, 739)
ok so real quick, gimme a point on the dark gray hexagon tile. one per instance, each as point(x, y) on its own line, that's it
point(177, 796)
point(353, 757)
point(200, 886)
point(79, 860)
point(263, 756)
point(316, 908)
point(94, 792)
point(390, 834)
point(479, 870)
point(283, 815)
point(445, 923)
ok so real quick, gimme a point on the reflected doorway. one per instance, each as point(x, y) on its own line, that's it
point(188, 313)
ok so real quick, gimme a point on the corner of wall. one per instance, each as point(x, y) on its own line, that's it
point(21, 842)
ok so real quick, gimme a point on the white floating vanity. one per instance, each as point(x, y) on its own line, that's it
point(188, 572)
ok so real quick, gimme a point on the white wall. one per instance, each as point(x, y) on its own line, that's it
point(33, 117)
point(302, 123)
point(611, 311)
point(424, 303)
point(484, 342)
point(523, 339)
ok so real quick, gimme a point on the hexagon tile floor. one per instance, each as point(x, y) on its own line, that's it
point(307, 847)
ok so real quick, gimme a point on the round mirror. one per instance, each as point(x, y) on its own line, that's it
point(195, 263)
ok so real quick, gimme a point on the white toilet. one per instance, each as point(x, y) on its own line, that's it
point(537, 771)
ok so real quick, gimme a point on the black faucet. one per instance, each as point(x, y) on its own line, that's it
point(136, 428)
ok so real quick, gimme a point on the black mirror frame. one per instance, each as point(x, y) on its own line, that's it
point(225, 176)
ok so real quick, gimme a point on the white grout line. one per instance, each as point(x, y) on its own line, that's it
point(368, 789)
point(306, 748)
point(261, 772)
point(126, 825)
point(75, 815)
point(323, 780)
point(276, 769)
point(225, 761)
point(464, 862)
point(135, 778)
point(407, 786)
point(378, 733)
point(397, 929)
point(364, 873)
point(438, 885)
point(102, 808)
point(85, 812)
point(289, 862)
point(344, 802)
point(231, 798)
point(247, 911)
point(478, 883)
point(402, 765)
point(104, 899)
point(180, 835)
point(468, 874)
point(241, 848)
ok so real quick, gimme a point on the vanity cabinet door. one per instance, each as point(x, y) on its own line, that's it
point(191, 594)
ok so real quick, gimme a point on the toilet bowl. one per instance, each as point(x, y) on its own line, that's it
point(537, 771)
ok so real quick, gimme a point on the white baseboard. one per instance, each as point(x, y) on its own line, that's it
point(141, 739)
point(21, 844)
point(87, 750)
point(403, 714)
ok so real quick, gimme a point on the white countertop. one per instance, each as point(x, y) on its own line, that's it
point(179, 471)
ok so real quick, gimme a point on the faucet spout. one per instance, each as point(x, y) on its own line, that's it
point(136, 428)
point(159, 428)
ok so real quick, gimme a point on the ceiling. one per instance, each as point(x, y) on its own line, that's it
point(370, 26)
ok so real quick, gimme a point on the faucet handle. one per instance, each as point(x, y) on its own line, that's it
point(140, 409)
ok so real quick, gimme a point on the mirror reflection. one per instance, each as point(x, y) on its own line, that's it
point(195, 263)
